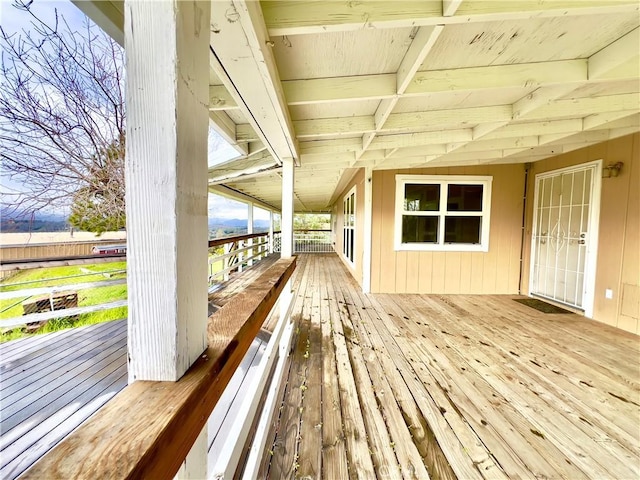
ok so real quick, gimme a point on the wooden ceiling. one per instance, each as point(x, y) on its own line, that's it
point(339, 85)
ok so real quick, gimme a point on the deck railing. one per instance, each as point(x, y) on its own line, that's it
point(238, 252)
point(30, 304)
point(121, 441)
point(308, 241)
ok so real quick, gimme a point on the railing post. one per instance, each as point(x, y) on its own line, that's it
point(250, 231)
point(286, 237)
point(271, 239)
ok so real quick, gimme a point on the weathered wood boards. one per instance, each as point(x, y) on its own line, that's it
point(121, 441)
point(460, 386)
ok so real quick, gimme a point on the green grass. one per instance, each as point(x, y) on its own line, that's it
point(57, 276)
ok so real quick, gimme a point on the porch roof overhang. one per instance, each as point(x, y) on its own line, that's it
point(339, 85)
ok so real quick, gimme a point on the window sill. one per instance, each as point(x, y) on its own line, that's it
point(422, 247)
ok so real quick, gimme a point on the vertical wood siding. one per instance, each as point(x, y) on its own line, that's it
point(495, 271)
point(618, 265)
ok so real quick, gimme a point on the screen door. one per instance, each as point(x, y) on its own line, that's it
point(561, 234)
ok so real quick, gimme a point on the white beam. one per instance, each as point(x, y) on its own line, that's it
point(292, 17)
point(241, 197)
point(166, 175)
point(220, 98)
point(244, 62)
point(106, 15)
point(421, 45)
point(226, 128)
point(286, 222)
point(449, 7)
point(623, 50)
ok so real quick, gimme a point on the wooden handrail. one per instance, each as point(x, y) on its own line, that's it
point(147, 430)
point(236, 238)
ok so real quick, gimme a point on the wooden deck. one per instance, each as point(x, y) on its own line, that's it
point(444, 386)
point(51, 383)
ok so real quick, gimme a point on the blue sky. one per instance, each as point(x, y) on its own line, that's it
point(14, 21)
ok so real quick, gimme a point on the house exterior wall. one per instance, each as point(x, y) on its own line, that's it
point(338, 222)
point(492, 272)
point(618, 263)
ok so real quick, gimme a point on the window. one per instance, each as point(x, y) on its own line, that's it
point(349, 225)
point(442, 212)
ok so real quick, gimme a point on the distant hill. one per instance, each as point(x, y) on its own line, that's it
point(215, 223)
point(11, 222)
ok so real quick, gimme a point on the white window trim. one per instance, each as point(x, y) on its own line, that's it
point(351, 227)
point(443, 180)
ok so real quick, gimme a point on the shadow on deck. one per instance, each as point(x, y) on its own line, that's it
point(445, 386)
point(379, 386)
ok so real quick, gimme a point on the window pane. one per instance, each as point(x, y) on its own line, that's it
point(421, 197)
point(351, 245)
point(417, 229)
point(462, 229)
point(466, 198)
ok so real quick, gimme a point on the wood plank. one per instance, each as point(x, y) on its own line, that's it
point(512, 444)
point(19, 373)
point(311, 436)
point(180, 408)
point(334, 454)
point(407, 454)
point(285, 463)
point(571, 437)
point(360, 462)
point(380, 443)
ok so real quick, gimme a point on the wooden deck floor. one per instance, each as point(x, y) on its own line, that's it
point(444, 386)
point(50, 384)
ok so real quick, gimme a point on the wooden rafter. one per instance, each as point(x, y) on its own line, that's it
point(291, 17)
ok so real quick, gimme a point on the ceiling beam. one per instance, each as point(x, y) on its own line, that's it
point(243, 60)
point(401, 122)
point(220, 98)
point(292, 17)
point(423, 41)
point(425, 82)
point(623, 50)
point(108, 15)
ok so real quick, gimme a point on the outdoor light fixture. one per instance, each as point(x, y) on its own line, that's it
point(612, 170)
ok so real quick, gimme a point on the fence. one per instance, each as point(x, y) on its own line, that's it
point(308, 241)
point(238, 252)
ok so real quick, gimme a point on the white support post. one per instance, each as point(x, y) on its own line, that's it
point(167, 57)
point(286, 222)
point(368, 218)
point(250, 231)
point(270, 232)
point(166, 176)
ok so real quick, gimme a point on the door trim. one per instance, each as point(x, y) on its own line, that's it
point(594, 231)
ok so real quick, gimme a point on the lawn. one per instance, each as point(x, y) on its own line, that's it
point(69, 275)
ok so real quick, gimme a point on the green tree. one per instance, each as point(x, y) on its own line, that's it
point(99, 206)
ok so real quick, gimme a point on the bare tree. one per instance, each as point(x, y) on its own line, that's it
point(62, 121)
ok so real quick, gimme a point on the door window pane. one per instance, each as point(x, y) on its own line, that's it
point(419, 229)
point(462, 230)
point(465, 198)
point(421, 197)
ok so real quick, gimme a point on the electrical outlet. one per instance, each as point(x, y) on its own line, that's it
point(608, 293)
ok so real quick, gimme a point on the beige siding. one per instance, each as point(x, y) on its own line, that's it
point(618, 265)
point(358, 181)
point(496, 271)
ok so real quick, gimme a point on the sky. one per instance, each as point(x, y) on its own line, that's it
point(14, 20)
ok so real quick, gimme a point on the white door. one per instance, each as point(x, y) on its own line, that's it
point(564, 235)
